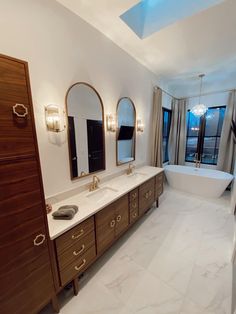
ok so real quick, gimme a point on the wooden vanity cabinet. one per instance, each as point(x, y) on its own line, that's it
point(133, 205)
point(159, 185)
point(26, 281)
point(75, 250)
point(146, 196)
point(111, 222)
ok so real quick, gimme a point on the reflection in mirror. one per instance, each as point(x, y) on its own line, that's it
point(125, 140)
point(85, 130)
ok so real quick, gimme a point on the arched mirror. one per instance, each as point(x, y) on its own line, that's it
point(125, 136)
point(85, 130)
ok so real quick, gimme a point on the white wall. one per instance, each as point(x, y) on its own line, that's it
point(62, 49)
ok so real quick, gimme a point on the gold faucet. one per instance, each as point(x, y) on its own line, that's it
point(94, 185)
point(130, 169)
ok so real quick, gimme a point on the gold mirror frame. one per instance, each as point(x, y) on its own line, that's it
point(103, 131)
point(117, 131)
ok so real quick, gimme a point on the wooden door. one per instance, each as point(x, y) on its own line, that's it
point(105, 228)
point(73, 151)
point(121, 214)
point(95, 145)
point(146, 196)
point(26, 283)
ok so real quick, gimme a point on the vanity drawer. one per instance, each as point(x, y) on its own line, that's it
point(74, 235)
point(146, 195)
point(133, 215)
point(78, 266)
point(76, 250)
point(159, 185)
point(133, 195)
point(159, 178)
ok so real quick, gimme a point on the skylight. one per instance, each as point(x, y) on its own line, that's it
point(150, 16)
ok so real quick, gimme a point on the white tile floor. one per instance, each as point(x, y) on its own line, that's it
point(176, 260)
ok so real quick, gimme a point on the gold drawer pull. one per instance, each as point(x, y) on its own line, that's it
point(80, 266)
point(39, 239)
point(112, 223)
point(134, 195)
point(24, 110)
point(134, 215)
point(147, 195)
point(76, 236)
point(134, 205)
point(76, 253)
point(118, 218)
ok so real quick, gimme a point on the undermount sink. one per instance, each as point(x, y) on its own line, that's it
point(101, 194)
point(136, 175)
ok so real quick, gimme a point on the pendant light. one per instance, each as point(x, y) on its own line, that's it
point(199, 109)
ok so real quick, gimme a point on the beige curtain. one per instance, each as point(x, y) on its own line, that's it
point(227, 149)
point(156, 157)
point(178, 129)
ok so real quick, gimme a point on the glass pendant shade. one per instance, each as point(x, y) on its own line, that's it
point(199, 110)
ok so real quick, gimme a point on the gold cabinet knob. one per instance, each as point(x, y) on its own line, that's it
point(80, 266)
point(112, 223)
point(134, 195)
point(20, 110)
point(134, 205)
point(150, 193)
point(118, 218)
point(146, 195)
point(39, 239)
point(76, 253)
point(134, 215)
point(76, 236)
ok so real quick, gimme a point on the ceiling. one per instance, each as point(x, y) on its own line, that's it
point(201, 43)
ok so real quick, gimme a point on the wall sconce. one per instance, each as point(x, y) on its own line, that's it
point(111, 123)
point(54, 119)
point(140, 126)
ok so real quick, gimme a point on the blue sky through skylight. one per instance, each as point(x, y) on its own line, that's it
point(150, 16)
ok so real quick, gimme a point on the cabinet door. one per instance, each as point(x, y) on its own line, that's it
point(122, 214)
point(16, 116)
point(146, 195)
point(105, 228)
point(25, 273)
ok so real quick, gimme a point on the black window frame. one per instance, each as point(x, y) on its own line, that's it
point(168, 131)
point(201, 136)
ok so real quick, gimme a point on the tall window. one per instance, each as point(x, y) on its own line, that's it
point(203, 135)
point(166, 132)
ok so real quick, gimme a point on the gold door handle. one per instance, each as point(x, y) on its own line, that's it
point(80, 266)
point(39, 239)
point(118, 218)
point(112, 223)
point(76, 253)
point(21, 114)
point(76, 236)
point(134, 205)
point(134, 215)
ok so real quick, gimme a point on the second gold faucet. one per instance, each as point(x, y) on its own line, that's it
point(94, 185)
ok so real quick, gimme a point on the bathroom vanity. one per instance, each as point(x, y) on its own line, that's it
point(104, 215)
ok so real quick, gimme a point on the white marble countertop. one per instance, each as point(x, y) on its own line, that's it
point(89, 203)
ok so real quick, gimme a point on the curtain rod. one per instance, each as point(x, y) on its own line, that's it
point(195, 96)
point(165, 92)
point(209, 93)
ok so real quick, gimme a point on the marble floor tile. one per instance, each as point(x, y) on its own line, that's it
point(175, 260)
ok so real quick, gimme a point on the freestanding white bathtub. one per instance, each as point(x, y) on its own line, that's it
point(204, 182)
